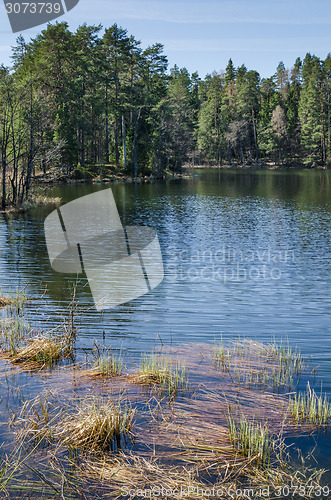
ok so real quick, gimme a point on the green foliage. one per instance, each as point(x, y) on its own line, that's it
point(74, 100)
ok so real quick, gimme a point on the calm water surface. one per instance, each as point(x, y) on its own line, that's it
point(245, 253)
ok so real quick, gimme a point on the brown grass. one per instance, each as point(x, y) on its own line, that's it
point(5, 301)
point(209, 437)
point(91, 424)
point(40, 350)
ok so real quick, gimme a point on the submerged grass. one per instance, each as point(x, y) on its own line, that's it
point(223, 434)
point(149, 477)
point(161, 373)
point(254, 365)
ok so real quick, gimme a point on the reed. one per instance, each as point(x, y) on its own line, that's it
point(309, 408)
point(286, 357)
point(13, 331)
point(251, 440)
point(108, 365)
point(162, 373)
point(35, 421)
point(14, 302)
point(222, 357)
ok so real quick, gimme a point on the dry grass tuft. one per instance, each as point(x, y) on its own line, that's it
point(96, 425)
point(91, 424)
point(39, 200)
point(20, 344)
point(5, 301)
point(41, 350)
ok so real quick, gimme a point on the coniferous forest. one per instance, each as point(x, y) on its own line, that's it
point(78, 103)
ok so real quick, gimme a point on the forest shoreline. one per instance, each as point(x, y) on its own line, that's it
point(263, 166)
point(37, 200)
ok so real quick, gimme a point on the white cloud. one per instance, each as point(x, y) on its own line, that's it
point(279, 45)
point(211, 11)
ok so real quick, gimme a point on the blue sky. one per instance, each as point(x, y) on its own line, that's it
point(203, 35)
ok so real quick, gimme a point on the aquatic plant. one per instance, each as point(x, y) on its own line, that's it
point(13, 331)
point(192, 439)
point(251, 440)
point(95, 425)
point(90, 423)
point(108, 365)
point(162, 373)
point(41, 350)
point(13, 302)
point(222, 357)
point(252, 364)
point(309, 408)
point(285, 356)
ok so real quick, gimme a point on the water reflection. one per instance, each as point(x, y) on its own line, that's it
point(274, 280)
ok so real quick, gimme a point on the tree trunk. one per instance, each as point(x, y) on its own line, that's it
point(4, 169)
point(82, 161)
point(117, 156)
point(134, 152)
point(329, 125)
point(255, 135)
point(107, 126)
point(31, 152)
point(124, 142)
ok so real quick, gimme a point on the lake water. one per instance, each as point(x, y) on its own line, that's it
point(245, 253)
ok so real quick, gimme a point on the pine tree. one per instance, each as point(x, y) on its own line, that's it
point(311, 112)
point(211, 140)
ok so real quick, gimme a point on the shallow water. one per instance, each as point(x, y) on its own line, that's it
point(245, 253)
